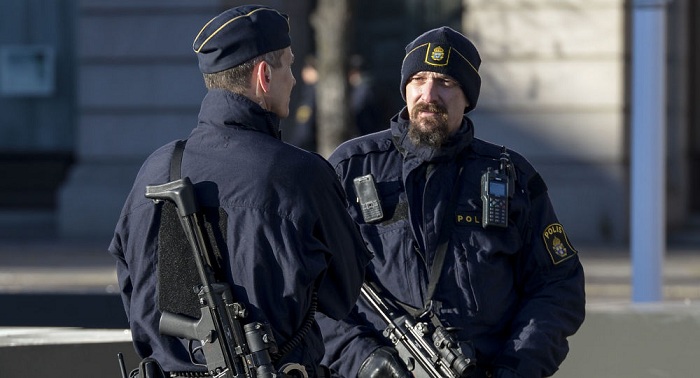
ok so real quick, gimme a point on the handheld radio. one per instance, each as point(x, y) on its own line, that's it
point(494, 197)
point(496, 187)
point(368, 198)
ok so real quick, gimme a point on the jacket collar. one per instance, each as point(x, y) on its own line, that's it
point(227, 109)
point(448, 151)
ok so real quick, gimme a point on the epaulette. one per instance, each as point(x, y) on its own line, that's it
point(536, 186)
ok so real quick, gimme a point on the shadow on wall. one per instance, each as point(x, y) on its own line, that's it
point(579, 158)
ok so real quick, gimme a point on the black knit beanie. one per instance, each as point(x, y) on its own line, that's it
point(446, 51)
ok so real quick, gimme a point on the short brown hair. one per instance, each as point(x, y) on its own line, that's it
point(237, 79)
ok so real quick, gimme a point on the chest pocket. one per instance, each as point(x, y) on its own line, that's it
point(391, 241)
point(484, 261)
point(393, 199)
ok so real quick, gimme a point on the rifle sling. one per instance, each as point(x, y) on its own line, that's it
point(438, 258)
point(444, 239)
point(176, 161)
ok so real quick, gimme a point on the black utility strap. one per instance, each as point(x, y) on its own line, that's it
point(176, 161)
point(439, 258)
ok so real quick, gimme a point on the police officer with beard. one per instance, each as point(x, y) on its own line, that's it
point(288, 244)
point(512, 287)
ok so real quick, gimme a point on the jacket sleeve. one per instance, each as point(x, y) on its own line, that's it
point(348, 342)
point(552, 308)
point(349, 256)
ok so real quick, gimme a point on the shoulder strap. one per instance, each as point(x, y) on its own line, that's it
point(444, 237)
point(439, 258)
point(176, 161)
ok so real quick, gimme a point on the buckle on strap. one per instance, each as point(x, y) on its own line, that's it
point(295, 370)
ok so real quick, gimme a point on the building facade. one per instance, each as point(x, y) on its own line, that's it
point(555, 87)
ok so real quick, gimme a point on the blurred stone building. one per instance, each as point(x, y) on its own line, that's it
point(88, 88)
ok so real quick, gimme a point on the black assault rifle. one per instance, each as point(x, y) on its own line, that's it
point(429, 351)
point(231, 349)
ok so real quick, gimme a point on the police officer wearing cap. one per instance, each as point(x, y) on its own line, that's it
point(289, 243)
point(512, 289)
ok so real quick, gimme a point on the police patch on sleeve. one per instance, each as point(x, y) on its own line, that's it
point(557, 243)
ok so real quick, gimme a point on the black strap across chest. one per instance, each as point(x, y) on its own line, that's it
point(444, 237)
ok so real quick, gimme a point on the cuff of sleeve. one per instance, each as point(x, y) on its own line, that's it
point(515, 367)
point(504, 372)
point(364, 346)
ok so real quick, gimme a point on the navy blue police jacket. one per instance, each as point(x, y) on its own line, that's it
point(516, 293)
point(288, 232)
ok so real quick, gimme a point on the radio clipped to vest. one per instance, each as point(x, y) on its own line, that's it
point(368, 198)
point(497, 186)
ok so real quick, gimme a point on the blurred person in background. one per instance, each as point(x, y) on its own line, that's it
point(365, 109)
point(364, 103)
point(302, 130)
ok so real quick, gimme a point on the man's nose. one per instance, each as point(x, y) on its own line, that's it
point(428, 91)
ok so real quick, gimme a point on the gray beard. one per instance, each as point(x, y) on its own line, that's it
point(434, 137)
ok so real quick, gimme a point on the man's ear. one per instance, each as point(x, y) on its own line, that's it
point(262, 74)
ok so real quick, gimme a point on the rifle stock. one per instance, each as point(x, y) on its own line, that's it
point(225, 341)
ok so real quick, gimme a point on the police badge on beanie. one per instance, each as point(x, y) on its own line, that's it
point(446, 51)
point(239, 35)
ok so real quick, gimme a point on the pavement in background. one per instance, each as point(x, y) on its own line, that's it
point(57, 267)
point(73, 284)
point(72, 267)
point(609, 272)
